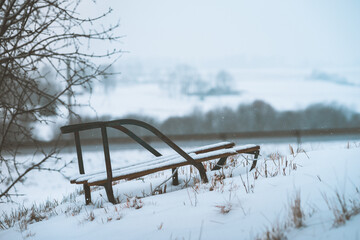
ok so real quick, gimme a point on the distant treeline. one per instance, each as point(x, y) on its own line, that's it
point(255, 117)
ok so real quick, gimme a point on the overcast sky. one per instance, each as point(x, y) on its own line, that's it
point(290, 33)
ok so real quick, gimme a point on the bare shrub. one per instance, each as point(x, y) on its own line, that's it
point(34, 35)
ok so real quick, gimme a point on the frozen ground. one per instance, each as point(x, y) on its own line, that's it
point(237, 207)
point(284, 89)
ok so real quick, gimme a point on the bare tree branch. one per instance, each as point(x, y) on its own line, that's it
point(38, 34)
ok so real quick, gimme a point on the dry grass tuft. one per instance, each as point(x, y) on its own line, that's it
point(276, 232)
point(296, 219)
point(24, 216)
point(217, 182)
point(160, 226)
point(90, 216)
point(134, 202)
point(276, 164)
point(29, 234)
point(296, 213)
point(343, 208)
point(73, 210)
point(225, 208)
point(112, 214)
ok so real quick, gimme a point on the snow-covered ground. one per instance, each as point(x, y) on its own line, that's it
point(284, 89)
point(241, 206)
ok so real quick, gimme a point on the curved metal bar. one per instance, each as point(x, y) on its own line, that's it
point(164, 138)
point(81, 127)
point(138, 140)
point(116, 123)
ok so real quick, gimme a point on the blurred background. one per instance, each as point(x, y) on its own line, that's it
point(228, 66)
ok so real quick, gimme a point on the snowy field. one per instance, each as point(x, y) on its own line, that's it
point(284, 89)
point(240, 206)
point(235, 204)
